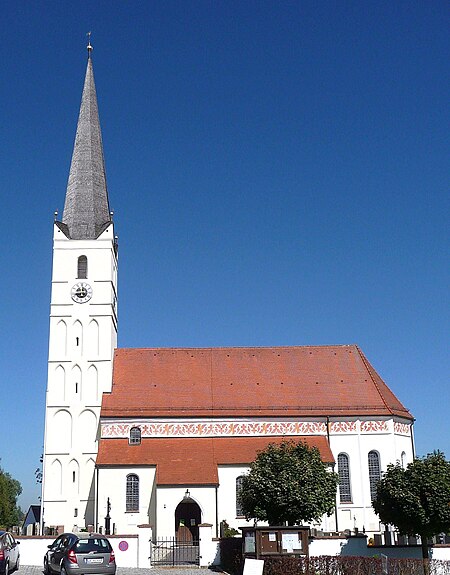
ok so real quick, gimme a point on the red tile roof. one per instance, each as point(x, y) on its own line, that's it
point(194, 461)
point(238, 382)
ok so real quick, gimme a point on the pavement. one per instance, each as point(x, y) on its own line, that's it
point(37, 570)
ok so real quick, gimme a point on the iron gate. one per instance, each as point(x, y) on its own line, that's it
point(169, 551)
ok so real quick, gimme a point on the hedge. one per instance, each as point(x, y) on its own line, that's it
point(232, 562)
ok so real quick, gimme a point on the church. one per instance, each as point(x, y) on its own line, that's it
point(163, 436)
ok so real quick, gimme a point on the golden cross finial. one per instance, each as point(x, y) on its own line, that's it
point(89, 47)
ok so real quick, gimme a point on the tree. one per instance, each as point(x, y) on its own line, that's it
point(38, 471)
point(288, 483)
point(10, 489)
point(416, 499)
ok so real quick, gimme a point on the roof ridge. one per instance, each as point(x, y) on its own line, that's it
point(320, 346)
point(370, 369)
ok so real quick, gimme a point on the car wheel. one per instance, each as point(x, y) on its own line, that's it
point(46, 567)
point(16, 568)
point(6, 571)
point(63, 570)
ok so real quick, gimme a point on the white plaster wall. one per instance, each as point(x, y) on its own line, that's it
point(318, 547)
point(357, 446)
point(208, 547)
point(227, 495)
point(129, 557)
point(168, 498)
point(112, 483)
point(77, 374)
point(359, 513)
point(33, 549)
point(227, 500)
point(403, 443)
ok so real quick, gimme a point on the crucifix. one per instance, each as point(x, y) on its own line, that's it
point(89, 47)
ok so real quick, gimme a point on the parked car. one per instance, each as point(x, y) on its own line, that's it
point(9, 553)
point(81, 553)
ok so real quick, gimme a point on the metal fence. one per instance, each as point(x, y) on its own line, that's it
point(169, 551)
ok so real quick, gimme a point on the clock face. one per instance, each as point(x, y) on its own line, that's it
point(81, 292)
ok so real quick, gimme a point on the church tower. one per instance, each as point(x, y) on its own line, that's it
point(83, 327)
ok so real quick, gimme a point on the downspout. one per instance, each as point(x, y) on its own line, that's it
point(337, 492)
point(361, 478)
point(96, 500)
point(217, 512)
point(412, 440)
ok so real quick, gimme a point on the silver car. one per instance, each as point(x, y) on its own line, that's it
point(81, 553)
point(9, 553)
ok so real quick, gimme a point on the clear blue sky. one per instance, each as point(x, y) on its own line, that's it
point(279, 175)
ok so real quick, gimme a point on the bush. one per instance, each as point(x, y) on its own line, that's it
point(323, 565)
point(415, 567)
point(231, 555)
point(232, 562)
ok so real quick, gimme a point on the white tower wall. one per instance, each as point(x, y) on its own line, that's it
point(83, 337)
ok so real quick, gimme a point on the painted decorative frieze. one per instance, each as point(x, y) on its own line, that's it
point(214, 429)
point(343, 427)
point(374, 426)
point(402, 428)
point(247, 428)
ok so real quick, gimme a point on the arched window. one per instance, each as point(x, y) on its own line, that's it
point(239, 480)
point(345, 492)
point(82, 267)
point(132, 493)
point(403, 460)
point(374, 473)
point(135, 436)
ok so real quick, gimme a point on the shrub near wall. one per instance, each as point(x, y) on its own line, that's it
point(338, 565)
point(415, 567)
point(233, 563)
point(231, 555)
point(324, 565)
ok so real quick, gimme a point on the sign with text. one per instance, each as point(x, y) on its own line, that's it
point(253, 567)
point(291, 542)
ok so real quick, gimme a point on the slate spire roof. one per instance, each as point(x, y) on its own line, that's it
point(86, 209)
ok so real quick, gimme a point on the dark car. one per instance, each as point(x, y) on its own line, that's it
point(9, 553)
point(81, 553)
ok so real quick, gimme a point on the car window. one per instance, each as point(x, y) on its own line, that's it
point(57, 543)
point(92, 544)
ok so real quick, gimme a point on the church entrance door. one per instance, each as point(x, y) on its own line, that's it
point(183, 549)
point(188, 517)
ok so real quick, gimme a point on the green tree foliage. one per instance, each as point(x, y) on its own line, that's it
point(416, 499)
point(288, 483)
point(10, 512)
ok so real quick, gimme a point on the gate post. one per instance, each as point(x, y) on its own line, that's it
point(144, 545)
point(207, 551)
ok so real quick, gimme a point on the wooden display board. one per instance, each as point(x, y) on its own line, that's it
point(260, 542)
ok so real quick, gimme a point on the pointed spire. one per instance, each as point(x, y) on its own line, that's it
point(86, 209)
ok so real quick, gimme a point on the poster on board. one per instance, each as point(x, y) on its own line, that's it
point(253, 567)
point(290, 542)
